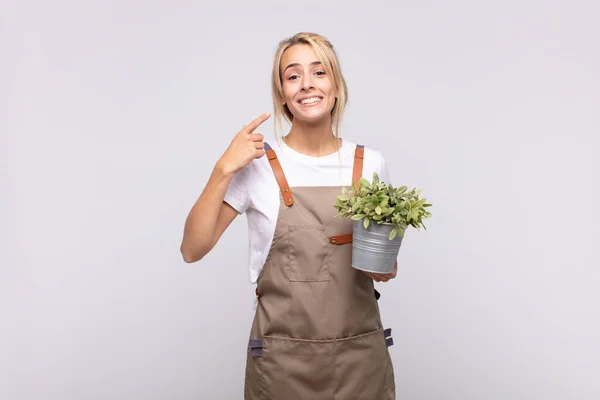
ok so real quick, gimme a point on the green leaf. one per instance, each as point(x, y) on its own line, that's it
point(415, 214)
point(418, 203)
point(393, 234)
point(378, 202)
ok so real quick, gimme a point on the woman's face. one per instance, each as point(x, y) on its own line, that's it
point(307, 89)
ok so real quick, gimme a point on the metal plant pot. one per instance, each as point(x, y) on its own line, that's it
point(372, 251)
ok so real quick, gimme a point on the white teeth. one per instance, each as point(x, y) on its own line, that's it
point(311, 100)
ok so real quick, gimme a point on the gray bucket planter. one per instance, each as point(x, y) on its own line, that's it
point(372, 251)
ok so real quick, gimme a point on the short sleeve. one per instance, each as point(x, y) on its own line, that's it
point(237, 193)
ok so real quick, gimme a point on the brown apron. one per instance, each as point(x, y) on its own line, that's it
point(317, 332)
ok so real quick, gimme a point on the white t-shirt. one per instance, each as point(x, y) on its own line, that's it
point(254, 190)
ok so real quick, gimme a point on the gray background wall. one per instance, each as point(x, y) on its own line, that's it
point(113, 114)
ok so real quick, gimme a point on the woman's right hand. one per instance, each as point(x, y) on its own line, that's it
point(245, 147)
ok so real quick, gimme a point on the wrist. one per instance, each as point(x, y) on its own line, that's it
point(222, 171)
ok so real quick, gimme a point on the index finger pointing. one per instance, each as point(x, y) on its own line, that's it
point(256, 123)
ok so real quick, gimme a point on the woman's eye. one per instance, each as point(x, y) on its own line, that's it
point(320, 72)
point(292, 77)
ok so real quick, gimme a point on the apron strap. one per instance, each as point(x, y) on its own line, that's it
point(387, 333)
point(357, 170)
point(279, 175)
point(256, 347)
point(341, 239)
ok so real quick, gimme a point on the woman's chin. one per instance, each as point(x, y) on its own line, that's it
point(312, 117)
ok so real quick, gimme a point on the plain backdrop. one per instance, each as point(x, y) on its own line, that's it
point(113, 113)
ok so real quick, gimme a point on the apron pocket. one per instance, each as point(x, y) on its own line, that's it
point(309, 253)
point(357, 368)
point(362, 368)
point(298, 369)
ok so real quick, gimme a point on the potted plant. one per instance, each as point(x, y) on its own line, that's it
point(381, 215)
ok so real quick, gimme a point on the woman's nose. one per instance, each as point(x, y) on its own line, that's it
point(307, 83)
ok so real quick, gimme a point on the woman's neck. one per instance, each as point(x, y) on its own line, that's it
point(312, 140)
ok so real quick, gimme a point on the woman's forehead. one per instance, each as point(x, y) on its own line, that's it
point(301, 54)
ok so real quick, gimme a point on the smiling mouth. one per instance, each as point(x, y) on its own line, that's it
point(310, 101)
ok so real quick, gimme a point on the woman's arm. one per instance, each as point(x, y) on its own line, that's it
point(208, 219)
point(210, 215)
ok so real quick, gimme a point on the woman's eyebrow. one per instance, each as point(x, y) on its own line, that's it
point(298, 64)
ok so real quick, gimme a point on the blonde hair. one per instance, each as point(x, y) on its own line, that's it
point(329, 59)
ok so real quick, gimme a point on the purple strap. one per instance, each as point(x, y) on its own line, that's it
point(255, 347)
point(388, 332)
point(389, 342)
point(256, 351)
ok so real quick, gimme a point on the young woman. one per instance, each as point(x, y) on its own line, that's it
point(317, 332)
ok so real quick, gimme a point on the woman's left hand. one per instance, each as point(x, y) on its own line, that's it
point(383, 277)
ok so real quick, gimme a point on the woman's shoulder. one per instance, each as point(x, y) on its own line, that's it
point(373, 161)
point(370, 153)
